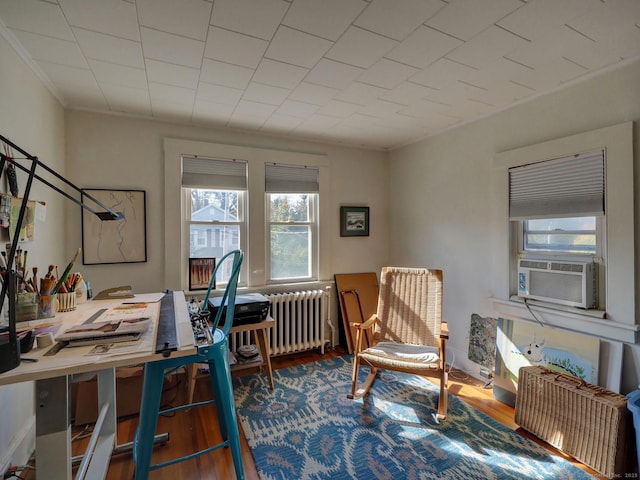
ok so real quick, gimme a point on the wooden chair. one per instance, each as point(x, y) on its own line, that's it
point(408, 334)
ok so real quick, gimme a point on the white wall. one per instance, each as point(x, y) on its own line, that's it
point(116, 152)
point(34, 120)
point(442, 210)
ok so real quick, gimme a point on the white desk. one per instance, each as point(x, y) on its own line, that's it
point(52, 375)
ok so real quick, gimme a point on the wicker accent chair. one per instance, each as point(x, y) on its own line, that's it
point(407, 333)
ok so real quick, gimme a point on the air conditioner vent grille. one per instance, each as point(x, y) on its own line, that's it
point(533, 264)
point(567, 267)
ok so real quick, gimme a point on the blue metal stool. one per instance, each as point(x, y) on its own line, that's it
point(216, 355)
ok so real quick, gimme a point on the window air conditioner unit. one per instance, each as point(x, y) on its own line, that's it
point(566, 283)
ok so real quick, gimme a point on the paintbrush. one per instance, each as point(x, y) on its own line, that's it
point(66, 272)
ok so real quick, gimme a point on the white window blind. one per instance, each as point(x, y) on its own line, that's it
point(214, 173)
point(290, 179)
point(563, 187)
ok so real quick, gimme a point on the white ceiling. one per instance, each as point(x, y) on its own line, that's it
point(378, 73)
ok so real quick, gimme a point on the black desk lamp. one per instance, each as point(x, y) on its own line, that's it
point(9, 345)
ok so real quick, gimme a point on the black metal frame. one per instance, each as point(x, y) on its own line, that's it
point(9, 284)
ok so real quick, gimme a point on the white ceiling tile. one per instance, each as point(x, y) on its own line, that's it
point(297, 48)
point(360, 93)
point(316, 123)
point(52, 50)
point(110, 49)
point(234, 48)
point(536, 53)
point(297, 109)
point(360, 48)
point(397, 18)
point(279, 74)
point(486, 47)
point(315, 94)
point(170, 48)
point(171, 74)
point(540, 19)
point(119, 74)
point(225, 74)
point(72, 82)
point(187, 18)
point(406, 93)
point(218, 94)
point(127, 100)
point(259, 92)
point(379, 108)
point(412, 50)
point(337, 108)
point(550, 76)
point(500, 70)
point(205, 111)
point(36, 17)
point(170, 93)
point(464, 19)
point(387, 73)
point(113, 17)
point(258, 18)
point(248, 107)
point(441, 73)
point(333, 74)
point(280, 123)
point(327, 19)
point(503, 93)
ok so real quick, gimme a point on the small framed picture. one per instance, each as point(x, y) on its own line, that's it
point(200, 271)
point(354, 221)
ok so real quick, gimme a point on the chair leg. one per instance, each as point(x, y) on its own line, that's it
point(444, 397)
point(223, 388)
point(366, 385)
point(150, 405)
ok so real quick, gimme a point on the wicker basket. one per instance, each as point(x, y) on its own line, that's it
point(588, 422)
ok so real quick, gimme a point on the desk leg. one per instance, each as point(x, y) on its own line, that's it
point(53, 429)
point(266, 353)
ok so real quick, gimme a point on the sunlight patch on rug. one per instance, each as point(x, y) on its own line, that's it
point(307, 429)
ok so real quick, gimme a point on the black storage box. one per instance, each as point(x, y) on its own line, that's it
point(250, 308)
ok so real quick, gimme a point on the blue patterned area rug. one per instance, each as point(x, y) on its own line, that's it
point(307, 429)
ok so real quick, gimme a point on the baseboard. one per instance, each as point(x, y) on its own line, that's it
point(21, 448)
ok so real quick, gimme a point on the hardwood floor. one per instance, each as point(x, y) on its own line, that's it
point(197, 428)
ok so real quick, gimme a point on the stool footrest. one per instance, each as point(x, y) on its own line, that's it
point(186, 406)
point(188, 457)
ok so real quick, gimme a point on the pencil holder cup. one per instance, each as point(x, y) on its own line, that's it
point(66, 302)
point(26, 307)
point(47, 306)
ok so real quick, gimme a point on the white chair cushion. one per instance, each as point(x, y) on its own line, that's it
point(404, 352)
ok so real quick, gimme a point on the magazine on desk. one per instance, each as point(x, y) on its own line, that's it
point(111, 331)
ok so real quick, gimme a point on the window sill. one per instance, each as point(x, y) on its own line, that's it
point(591, 322)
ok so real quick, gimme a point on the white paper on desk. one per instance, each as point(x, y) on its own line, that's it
point(114, 327)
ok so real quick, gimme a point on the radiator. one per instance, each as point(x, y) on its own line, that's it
point(300, 323)
point(585, 421)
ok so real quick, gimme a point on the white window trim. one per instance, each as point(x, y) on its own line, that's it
point(176, 264)
point(620, 249)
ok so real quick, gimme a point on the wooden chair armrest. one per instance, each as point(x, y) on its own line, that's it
point(365, 325)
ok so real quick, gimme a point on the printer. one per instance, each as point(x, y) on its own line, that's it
point(249, 308)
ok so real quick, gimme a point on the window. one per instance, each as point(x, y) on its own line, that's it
point(292, 226)
point(291, 235)
point(574, 235)
point(215, 204)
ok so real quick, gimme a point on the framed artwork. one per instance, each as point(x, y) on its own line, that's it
point(200, 271)
point(354, 221)
point(117, 241)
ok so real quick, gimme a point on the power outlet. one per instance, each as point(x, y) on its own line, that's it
point(485, 373)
